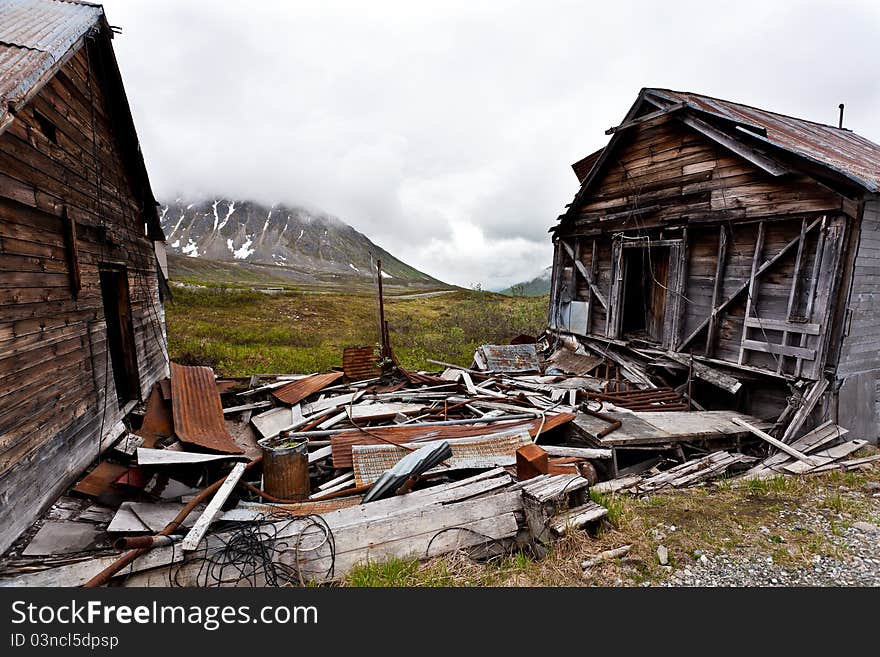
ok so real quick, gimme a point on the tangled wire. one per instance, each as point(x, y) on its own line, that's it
point(264, 552)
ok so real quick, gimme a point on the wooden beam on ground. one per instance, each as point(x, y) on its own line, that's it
point(579, 452)
point(197, 533)
point(788, 449)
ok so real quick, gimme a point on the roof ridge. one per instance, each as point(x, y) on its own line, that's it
point(753, 107)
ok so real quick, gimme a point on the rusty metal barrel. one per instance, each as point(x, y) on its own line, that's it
point(286, 467)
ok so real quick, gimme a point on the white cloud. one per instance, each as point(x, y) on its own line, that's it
point(445, 130)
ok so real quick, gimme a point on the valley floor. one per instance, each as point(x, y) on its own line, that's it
point(239, 333)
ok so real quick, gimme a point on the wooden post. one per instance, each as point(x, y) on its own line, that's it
point(752, 289)
point(716, 291)
point(811, 296)
point(794, 292)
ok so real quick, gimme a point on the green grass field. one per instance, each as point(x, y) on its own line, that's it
point(241, 332)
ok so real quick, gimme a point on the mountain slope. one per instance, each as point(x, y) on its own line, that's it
point(253, 242)
point(537, 287)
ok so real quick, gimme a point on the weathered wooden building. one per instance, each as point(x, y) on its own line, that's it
point(739, 239)
point(82, 332)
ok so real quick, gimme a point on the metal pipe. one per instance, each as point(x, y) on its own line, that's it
point(148, 542)
point(613, 423)
point(840, 124)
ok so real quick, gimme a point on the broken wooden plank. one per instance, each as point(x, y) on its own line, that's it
point(577, 517)
point(826, 456)
point(616, 485)
point(348, 483)
point(547, 488)
point(579, 452)
point(146, 456)
point(336, 480)
point(707, 373)
point(320, 453)
point(200, 528)
point(810, 399)
point(788, 449)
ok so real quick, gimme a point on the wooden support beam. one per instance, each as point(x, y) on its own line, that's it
point(810, 399)
point(720, 265)
point(795, 286)
point(198, 531)
point(788, 449)
point(781, 325)
point(811, 296)
point(752, 289)
point(586, 274)
point(779, 349)
point(742, 288)
point(647, 117)
point(708, 374)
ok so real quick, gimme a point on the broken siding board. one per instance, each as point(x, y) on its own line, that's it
point(826, 456)
point(200, 528)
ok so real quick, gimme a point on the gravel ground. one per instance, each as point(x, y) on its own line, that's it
point(852, 556)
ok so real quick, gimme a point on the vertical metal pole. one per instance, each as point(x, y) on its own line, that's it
point(383, 326)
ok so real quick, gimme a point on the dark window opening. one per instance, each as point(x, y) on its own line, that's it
point(47, 127)
point(646, 273)
point(120, 333)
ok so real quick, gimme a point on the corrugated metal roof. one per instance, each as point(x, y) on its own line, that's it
point(295, 392)
point(841, 150)
point(34, 36)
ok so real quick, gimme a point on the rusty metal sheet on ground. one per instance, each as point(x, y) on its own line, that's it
point(198, 413)
point(567, 361)
point(295, 392)
point(483, 452)
point(343, 442)
point(509, 357)
point(100, 480)
point(360, 363)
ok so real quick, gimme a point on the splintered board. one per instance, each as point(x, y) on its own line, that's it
point(648, 428)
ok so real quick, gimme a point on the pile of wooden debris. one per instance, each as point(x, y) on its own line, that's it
point(290, 479)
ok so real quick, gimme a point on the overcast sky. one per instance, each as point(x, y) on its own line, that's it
point(445, 131)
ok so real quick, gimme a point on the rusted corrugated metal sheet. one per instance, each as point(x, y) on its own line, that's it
point(841, 150)
point(343, 442)
point(508, 357)
point(295, 392)
point(198, 413)
point(359, 363)
point(565, 360)
point(34, 36)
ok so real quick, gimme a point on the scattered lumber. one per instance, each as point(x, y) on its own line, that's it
point(589, 411)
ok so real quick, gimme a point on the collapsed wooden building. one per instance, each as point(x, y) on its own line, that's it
point(82, 332)
point(714, 242)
